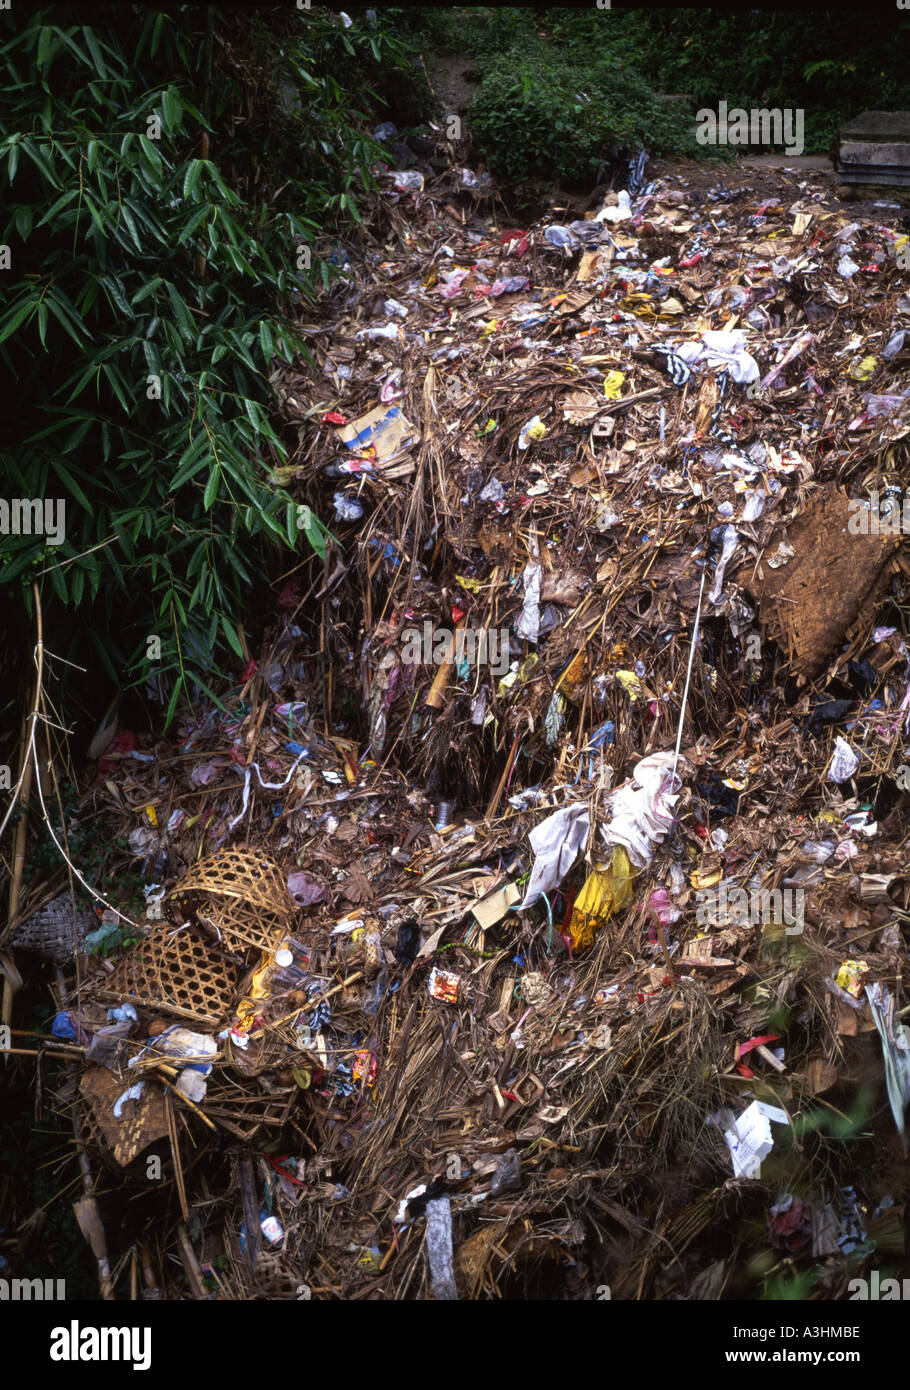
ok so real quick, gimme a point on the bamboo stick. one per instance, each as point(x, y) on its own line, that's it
point(6, 1009)
point(436, 695)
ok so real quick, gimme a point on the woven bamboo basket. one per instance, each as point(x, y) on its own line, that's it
point(53, 931)
point(237, 897)
point(177, 971)
point(142, 1121)
point(242, 1111)
point(829, 588)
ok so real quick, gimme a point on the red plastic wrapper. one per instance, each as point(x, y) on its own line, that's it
point(365, 1067)
point(520, 239)
point(124, 742)
point(334, 417)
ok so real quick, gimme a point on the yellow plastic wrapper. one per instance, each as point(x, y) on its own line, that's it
point(852, 976)
point(606, 891)
point(260, 988)
point(613, 385)
point(864, 369)
point(630, 684)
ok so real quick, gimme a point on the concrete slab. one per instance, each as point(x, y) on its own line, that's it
point(874, 148)
point(878, 126)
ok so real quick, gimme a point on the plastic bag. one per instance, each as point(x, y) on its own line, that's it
point(407, 180)
point(620, 213)
point(844, 763)
point(722, 350)
point(606, 891)
point(346, 508)
point(642, 810)
point(556, 842)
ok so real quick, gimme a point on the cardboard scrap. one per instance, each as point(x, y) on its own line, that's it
point(384, 429)
point(491, 909)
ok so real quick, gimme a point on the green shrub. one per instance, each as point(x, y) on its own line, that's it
point(549, 116)
point(162, 173)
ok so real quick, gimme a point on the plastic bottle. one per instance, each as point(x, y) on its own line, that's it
point(292, 964)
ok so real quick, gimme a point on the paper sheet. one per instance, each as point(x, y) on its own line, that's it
point(749, 1138)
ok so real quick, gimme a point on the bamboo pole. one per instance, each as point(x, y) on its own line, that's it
point(437, 693)
point(6, 1009)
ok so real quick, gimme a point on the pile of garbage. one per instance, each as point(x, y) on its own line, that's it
point(535, 924)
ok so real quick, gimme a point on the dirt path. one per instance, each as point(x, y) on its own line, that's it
point(453, 89)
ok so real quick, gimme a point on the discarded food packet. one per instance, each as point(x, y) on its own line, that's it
point(533, 429)
point(852, 976)
point(444, 985)
point(366, 1066)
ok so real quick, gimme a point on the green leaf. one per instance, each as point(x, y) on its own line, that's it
point(211, 488)
point(170, 108)
point(192, 176)
point(151, 153)
point(75, 489)
point(230, 633)
point(92, 46)
point(195, 221)
point(115, 292)
point(131, 224)
point(23, 219)
point(153, 284)
point(15, 317)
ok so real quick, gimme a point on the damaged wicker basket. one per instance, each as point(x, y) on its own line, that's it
point(237, 896)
